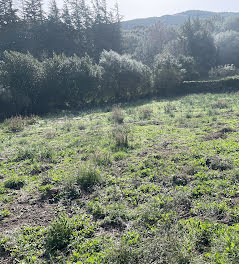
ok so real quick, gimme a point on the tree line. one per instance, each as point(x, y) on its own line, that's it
point(78, 28)
point(79, 56)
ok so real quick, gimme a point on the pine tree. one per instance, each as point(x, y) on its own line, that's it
point(33, 10)
point(54, 13)
point(66, 17)
point(7, 13)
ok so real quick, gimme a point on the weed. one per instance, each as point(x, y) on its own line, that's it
point(81, 127)
point(59, 233)
point(120, 135)
point(87, 176)
point(35, 152)
point(145, 112)
point(4, 213)
point(15, 124)
point(14, 182)
point(70, 187)
point(117, 115)
point(96, 209)
point(169, 108)
point(102, 158)
point(219, 163)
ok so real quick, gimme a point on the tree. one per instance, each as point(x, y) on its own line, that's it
point(153, 41)
point(168, 73)
point(232, 24)
point(66, 17)
point(200, 45)
point(54, 14)
point(123, 77)
point(7, 13)
point(228, 48)
point(33, 10)
point(106, 29)
point(70, 82)
point(21, 74)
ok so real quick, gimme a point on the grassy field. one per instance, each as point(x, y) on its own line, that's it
point(155, 182)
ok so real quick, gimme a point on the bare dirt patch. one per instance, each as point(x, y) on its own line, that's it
point(25, 211)
point(221, 134)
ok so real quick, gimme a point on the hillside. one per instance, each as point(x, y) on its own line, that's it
point(175, 20)
point(153, 182)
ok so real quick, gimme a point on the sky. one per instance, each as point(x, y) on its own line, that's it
point(131, 9)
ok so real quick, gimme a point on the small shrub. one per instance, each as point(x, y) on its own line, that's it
point(146, 112)
point(59, 233)
point(70, 188)
point(96, 209)
point(189, 115)
point(81, 127)
point(86, 177)
point(101, 158)
point(31, 120)
point(120, 136)
point(119, 156)
point(50, 134)
point(4, 213)
point(14, 183)
point(67, 126)
point(223, 71)
point(219, 163)
point(169, 108)
point(117, 115)
point(35, 152)
point(15, 124)
point(221, 104)
point(45, 190)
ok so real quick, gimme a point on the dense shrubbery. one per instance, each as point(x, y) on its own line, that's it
point(228, 84)
point(168, 74)
point(223, 71)
point(21, 76)
point(227, 44)
point(32, 86)
point(123, 78)
point(28, 85)
point(70, 81)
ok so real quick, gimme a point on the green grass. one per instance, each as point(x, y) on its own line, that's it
point(152, 182)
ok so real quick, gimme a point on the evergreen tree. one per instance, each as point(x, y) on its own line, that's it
point(200, 45)
point(66, 17)
point(33, 10)
point(7, 13)
point(54, 14)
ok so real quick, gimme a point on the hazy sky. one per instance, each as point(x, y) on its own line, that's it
point(131, 9)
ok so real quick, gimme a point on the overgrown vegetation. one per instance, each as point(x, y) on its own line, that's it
point(83, 58)
point(160, 187)
point(108, 176)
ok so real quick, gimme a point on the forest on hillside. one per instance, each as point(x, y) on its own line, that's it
point(79, 55)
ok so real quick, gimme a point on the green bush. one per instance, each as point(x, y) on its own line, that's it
point(59, 233)
point(22, 76)
point(70, 81)
point(123, 77)
point(117, 115)
point(86, 177)
point(15, 124)
point(145, 112)
point(168, 73)
point(14, 182)
point(229, 84)
point(120, 135)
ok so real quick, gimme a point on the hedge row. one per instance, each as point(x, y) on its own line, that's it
point(230, 84)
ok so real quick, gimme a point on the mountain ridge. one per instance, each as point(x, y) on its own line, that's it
point(176, 19)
